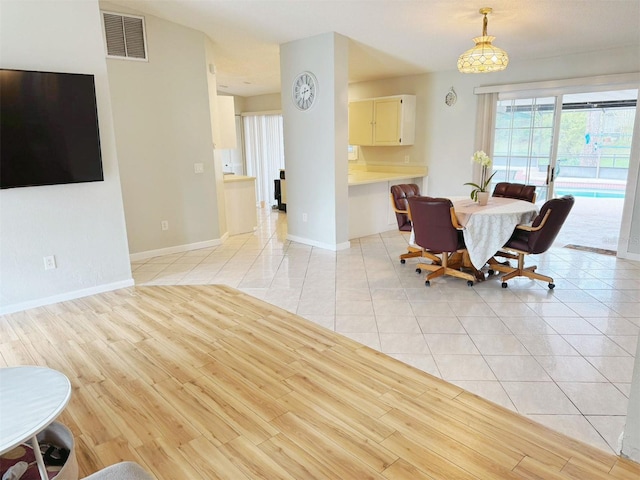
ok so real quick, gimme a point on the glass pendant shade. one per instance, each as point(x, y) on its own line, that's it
point(483, 58)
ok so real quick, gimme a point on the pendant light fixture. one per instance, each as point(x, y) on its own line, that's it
point(484, 57)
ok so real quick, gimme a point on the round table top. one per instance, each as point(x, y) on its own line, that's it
point(30, 399)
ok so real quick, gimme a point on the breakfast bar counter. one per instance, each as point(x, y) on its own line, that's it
point(370, 209)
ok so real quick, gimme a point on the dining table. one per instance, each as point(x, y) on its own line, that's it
point(488, 227)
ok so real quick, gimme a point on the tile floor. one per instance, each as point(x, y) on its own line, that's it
point(563, 357)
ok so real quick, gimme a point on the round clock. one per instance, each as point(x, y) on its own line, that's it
point(305, 90)
point(451, 97)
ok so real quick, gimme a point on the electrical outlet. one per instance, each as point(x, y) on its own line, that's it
point(198, 167)
point(304, 217)
point(406, 159)
point(164, 224)
point(49, 262)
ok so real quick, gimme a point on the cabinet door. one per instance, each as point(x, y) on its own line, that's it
point(387, 121)
point(361, 122)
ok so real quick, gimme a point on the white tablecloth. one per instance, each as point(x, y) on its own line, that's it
point(487, 228)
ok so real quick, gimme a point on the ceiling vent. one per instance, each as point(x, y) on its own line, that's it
point(124, 36)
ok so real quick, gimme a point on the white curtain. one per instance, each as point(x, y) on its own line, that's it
point(486, 122)
point(264, 153)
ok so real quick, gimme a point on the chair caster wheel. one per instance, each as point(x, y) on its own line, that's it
point(402, 261)
point(552, 286)
point(504, 284)
point(469, 283)
point(418, 270)
point(427, 283)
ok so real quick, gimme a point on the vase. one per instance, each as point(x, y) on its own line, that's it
point(483, 198)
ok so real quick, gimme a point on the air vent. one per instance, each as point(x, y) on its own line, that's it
point(124, 36)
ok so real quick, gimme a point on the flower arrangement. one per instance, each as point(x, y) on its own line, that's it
point(485, 163)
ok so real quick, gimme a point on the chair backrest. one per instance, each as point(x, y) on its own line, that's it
point(432, 224)
point(399, 196)
point(541, 240)
point(515, 190)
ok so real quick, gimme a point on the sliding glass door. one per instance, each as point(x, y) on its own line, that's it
point(575, 143)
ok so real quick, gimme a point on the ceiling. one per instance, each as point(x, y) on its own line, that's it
point(391, 38)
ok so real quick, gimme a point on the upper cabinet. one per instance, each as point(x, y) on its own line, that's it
point(383, 121)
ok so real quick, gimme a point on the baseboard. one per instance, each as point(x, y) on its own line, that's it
point(313, 243)
point(178, 249)
point(85, 292)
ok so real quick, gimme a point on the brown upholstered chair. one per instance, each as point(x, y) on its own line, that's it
point(536, 238)
point(515, 190)
point(437, 231)
point(399, 196)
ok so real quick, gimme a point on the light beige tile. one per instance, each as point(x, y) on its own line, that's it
point(595, 346)
point(516, 368)
point(539, 398)
point(576, 426)
point(355, 323)
point(570, 369)
point(547, 345)
point(484, 325)
point(527, 325)
point(614, 326)
point(403, 343)
point(440, 324)
point(596, 398)
point(615, 369)
point(398, 324)
point(499, 344)
point(463, 367)
point(445, 343)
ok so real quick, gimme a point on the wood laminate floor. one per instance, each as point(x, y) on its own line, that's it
point(206, 382)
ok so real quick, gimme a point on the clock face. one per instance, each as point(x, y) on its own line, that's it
point(305, 90)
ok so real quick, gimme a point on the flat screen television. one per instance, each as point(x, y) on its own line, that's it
point(48, 129)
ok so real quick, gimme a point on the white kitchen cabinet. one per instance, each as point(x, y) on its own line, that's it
point(383, 121)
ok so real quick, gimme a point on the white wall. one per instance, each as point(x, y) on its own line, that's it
point(315, 142)
point(261, 103)
point(81, 224)
point(163, 127)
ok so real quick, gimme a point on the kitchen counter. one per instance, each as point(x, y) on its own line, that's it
point(240, 203)
point(359, 176)
point(370, 209)
point(237, 178)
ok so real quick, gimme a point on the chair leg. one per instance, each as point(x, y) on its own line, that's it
point(522, 271)
point(444, 269)
point(415, 252)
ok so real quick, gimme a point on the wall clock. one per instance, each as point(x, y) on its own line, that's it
point(304, 90)
point(451, 97)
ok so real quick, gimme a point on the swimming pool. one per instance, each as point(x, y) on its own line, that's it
point(590, 193)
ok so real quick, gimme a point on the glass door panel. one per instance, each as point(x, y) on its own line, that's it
point(523, 142)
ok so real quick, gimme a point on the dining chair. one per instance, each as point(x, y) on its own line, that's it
point(536, 238)
point(399, 198)
point(437, 231)
point(518, 191)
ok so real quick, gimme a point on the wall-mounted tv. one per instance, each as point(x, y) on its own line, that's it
point(48, 129)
